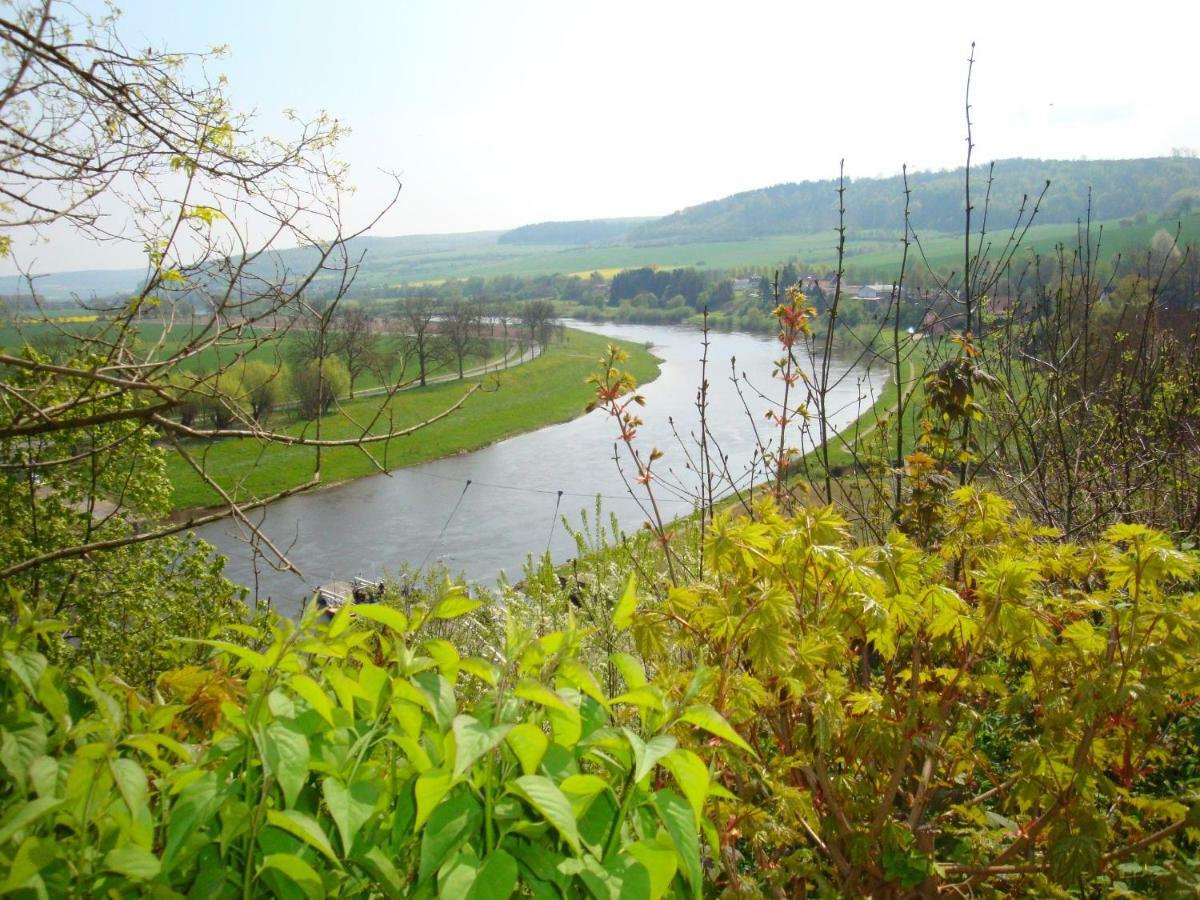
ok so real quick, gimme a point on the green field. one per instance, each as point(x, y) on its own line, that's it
point(507, 259)
point(873, 255)
point(547, 390)
point(946, 251)
point(43, 337)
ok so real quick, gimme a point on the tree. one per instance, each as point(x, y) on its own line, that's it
point(538, 317)
point(262, 387)
point(318, 384)
point(354, 339)
point(417, 315)
point(110, 144)
point(460, 331)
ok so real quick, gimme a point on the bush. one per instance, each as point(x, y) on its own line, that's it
point(358, 759)
point(1010, 711)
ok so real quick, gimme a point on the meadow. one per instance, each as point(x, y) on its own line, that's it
point(46, 338)
point(549, 389)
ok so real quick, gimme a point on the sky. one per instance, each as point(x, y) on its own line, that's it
point(496, 114)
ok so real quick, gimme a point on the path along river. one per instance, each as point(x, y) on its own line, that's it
point(428, 513)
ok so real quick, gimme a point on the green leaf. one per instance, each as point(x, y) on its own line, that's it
point(497, 878)
point(255, 660)
point(296, 870)
point(1086, 637)
point(714, 723)
point(908, 868)
point(622, 616)
point(454, 822)
point(286, 756)
point(544, 796)
point(19, 748)
point(582, 790)
point(376, 862)
point(350, 807)
point(32, 856)
point(446, 657)
point(597, 821)
point(676, 814)
point(647, 754)
point(659, 860)
point(455, 604)
point(468, 878)
point(691, 774)
point(619, 878)
point(43, 776)
point(133, 862)
point(539, 861)
point(647, 697)
point(28, 666)
point(384, 615)
point(529, 743)
point(26, 814)
point(312, 693)
point(473, 740)
point(304, 827)
point(565, 718)
point(440, 694)
point(429, 790)
point(581, 677)
point(631, 670)
point(197, 804)
point(485, 671)
point(134, 787)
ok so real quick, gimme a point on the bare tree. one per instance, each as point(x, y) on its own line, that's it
point(417, 314)
point(538, 317)
point(116, 145)
point(355, 340)
point(460, 331)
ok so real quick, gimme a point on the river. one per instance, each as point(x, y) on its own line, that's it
point(428, 513)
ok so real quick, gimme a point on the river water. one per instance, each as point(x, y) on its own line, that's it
point(428, 513)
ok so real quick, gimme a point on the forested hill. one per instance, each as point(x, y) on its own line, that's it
point(1120, 188)
point(575, 234)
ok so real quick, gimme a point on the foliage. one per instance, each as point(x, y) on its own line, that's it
point(94, 486)
point(545, 390)
point(357, 759)
point(319, 383)
point(1010, 709)
point(262, 387)
point(1116, 188)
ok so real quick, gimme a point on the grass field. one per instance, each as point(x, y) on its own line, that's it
point(547, 390)
point(946, 252)
point(871, 255)
point(211, 358)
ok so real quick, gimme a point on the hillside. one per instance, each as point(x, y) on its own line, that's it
point(1120, 188)
point(759, 227)
point(585, 231)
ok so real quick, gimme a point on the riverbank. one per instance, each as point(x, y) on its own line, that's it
point(545, 391)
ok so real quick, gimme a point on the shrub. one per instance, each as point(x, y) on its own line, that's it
point(357, 759)
point(1011, 712)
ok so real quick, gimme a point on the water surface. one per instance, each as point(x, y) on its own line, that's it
point(428, 513)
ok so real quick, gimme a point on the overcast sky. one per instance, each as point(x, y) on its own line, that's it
point(497, 114)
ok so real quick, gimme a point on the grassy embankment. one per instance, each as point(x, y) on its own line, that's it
point(46, 337)
point(547, 390)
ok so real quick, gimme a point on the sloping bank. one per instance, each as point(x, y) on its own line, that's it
point(545, 391)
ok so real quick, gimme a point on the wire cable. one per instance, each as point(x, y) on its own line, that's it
point(553, 520)
point(441, 534)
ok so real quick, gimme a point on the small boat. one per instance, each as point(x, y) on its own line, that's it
point(333, 596)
